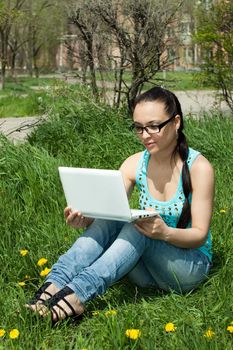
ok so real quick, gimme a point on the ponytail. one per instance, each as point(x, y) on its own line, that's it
point(182, 148)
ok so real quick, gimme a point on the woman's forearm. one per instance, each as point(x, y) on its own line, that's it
point(185, 238)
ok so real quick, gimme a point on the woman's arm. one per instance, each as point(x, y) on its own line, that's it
point(128, 170)
point(202, 177)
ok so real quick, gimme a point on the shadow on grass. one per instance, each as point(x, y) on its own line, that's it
point(122, 293)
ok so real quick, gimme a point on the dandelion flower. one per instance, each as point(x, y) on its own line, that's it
point(2, 333)
point(45, 272)
point(95, 313)
point(14, 333)
point(27, 277)
point(222, 211)
point(42, 261)
point(170, 327)
point(133, 333)
point(110, 313)
point(21, 284)
point(23, 252)
point(230, 328)
point(209, 333)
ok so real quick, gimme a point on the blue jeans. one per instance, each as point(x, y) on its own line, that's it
point(109, 250)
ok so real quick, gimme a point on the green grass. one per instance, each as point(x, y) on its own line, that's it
point(21, 106)
point(81, 133)
point(19, 99)
point(23, 85)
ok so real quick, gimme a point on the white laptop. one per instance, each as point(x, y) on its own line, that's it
point(99, 193)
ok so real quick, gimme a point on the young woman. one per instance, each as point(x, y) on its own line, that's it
point(171, 251)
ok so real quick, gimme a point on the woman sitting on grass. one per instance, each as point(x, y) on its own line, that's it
point(171, 251)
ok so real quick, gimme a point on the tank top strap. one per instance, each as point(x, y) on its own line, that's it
point(193, 154)
point(141, 170)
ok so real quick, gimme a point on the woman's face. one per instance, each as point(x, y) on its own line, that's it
point(152, 113)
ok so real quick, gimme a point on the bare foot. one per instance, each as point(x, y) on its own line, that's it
point(47, 291)
point(62, 305)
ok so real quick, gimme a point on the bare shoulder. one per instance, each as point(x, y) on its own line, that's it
point(202, 165)
point(202, 170)
point(129, 166)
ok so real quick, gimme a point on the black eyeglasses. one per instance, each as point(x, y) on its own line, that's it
point(152, 128)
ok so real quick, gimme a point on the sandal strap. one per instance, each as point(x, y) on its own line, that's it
point(60, 296)
point(40, 291)
point(57, 316)
point(61, 308)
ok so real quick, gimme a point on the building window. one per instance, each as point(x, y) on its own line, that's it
point(188, 55)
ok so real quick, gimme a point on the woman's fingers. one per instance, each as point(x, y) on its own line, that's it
point(67, 211)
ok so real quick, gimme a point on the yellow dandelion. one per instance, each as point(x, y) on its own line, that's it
point(21, 284)
point(42, 261)
point(2, 333)
point(23, 252)
point(27, 277)
point(95, 313)
point(45, 272)
point(170, 327)
point(14, 333)
point(230, 328)
point(222, 211)
point(209, 333)
point(133, 333)
point(110, 313)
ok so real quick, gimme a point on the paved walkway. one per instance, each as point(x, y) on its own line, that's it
point(193, 102)
point(17, 129)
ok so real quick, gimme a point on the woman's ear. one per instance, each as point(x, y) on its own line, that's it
point(177, 122)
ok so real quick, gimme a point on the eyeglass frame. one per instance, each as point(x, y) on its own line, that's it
point(159, 126)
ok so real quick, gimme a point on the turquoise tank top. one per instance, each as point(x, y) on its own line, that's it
point(171, 210)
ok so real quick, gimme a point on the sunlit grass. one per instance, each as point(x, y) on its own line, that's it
point(81, 133)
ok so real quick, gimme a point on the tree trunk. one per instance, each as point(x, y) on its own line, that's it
point(13, 58)
point(91, 64)
point(3, 59)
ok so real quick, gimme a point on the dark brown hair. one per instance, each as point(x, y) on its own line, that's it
point(172, 107)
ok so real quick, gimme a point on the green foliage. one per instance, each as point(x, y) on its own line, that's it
point(215, 37)
point(83, 133)
point(80, 132)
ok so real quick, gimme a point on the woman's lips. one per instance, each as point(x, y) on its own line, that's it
point(149, 145)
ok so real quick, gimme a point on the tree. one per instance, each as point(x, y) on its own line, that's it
point(139, 31)
point(9, 12)
point(16, 40)
point(44, 25)
point(128, 36)
point(215, 36)
point(86, 23)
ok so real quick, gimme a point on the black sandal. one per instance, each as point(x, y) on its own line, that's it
point(54, 301)
point(37, 296)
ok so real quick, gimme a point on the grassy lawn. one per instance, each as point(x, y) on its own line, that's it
point(23, 85)
point(20, 99)
point(81, 133)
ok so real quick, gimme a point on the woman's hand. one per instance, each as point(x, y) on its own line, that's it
point(153, 227)
point(76, 219)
